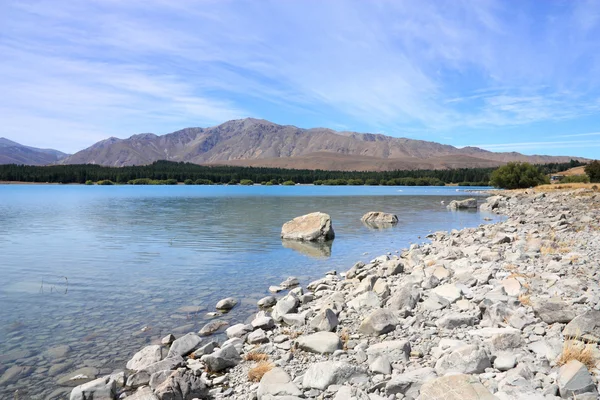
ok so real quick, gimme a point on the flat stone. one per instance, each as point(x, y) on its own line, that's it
point(381, 365)
point(449, 292)
point(394, 349)
point(148, 355)
point(512, 287)
point(277, 382)
point(553, 310)
point(455, 320)
point(379, 322)
point(143, 393)
point(257, 337)
point(268, 301)
point(98, 389)
point(325, 321)
point(184, 345)
point(410, 382)
point(585, 326)
point(320, 342)
point(286, 305)
point(57, 352)
point(14, 373)
point(212, 327)
point(455, 387)
point(574, 379)
point(468, 359)
point(504, 362)
point(181, 384)
point(226, 304)
point(263, 322)
point(224, 358)
point(290, 282)
point(364, 301)
point(78, 377)
point(238, 330)
point(322, 375)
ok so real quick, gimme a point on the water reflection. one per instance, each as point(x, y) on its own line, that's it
point(310, 249)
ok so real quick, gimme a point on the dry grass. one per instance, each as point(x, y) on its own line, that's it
point(292, 334)
point(256, 356)
point(256, 373)
point(525, 299)
point(576, 350)
point(345, 336)
point(563, 186)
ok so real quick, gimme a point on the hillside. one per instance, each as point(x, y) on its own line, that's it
point(15, 153)
point(262, 143)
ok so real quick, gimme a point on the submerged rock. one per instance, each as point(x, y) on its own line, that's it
point(379, 218)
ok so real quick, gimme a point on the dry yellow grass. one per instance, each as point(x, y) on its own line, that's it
point(256, 373)
point(256, 356)
point(292, 334)
point(576, 350)
point(345, 336)
point(525, 299)
point(563, 186)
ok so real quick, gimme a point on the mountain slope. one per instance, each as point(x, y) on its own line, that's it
point(15, 153)
point(263, 143)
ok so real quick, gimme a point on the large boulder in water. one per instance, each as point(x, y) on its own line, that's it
point(462, 204)
point(379, 218)
point(311, 227)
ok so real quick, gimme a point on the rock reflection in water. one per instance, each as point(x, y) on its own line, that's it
point(311, 249)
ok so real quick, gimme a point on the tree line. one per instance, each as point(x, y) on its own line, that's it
point(163, 171)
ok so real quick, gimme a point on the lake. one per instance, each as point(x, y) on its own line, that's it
point(91, 274)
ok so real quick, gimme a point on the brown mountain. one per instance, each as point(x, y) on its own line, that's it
point(254, 142)
point(15, 153)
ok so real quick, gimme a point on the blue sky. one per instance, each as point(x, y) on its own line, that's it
point(503, 75)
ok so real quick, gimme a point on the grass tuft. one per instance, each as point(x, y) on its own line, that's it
point(256, 373)
point(525, 299)
point(256, 356)
point(576, 350)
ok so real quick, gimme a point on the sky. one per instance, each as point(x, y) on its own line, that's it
point(505, 75)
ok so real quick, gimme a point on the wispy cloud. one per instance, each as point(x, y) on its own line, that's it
point(76, 72)
point(541, 146)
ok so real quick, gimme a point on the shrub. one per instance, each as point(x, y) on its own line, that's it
point(274, 182)
point(203, 182)
point(575, 179)
point(188, 182)
point(256, 373)
point(593, 171)
point(89, 182)
point(268, 183)
point(171, 182)
point(288, 183)
point(515, 175)
point(246, 182)
point(371, 182)
point(105, 182)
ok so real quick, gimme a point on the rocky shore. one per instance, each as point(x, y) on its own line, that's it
point(503, 311)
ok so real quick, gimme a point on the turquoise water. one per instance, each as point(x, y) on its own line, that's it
point(106, 269)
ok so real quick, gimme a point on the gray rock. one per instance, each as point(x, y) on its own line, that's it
point(394, 349)
point(448, 292)
point(410, 382)
point(391, 268)
point(238, 330)
point(462, 204)
point(205, 349)
point(263, 322)
point(320, 342)
point(277, 382)
point(184, 345)
point(504, 362)
point(379, 322)
point(221, 359)
point(455, 387)
point(294, 319)
point(148, 355)
point(310, 227)
point(574, 379)
point(290, 282)
point(257, 337)
point(406, 297)
point(167, 340)
point(468, 359)
point(143, 393)
point(379, 218)
point(268, 301)
point(286, 305)
point(381, 365)
point(455, 320)
point(553, 310)
point(212, 327)
point(364, 301)
point(99, 389)
point(159, 377)
point(14, 373)
point(57, 352)
point(325, 321)
point(74, 378)
point(181, 385)
point(322, 375)
point(226, 304)
point(585, 326)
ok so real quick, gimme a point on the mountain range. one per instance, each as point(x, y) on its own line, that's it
point(15, 153)
point(255, 142)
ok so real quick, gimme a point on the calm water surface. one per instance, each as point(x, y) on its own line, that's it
point(108, 269)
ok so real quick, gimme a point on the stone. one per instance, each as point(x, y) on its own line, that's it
point(574, 379)
point(381, 288)
point(266, 302)
point(405, 297)
point(455, 387)
point(290, 282)
point(294, 319)
point(512, 287)
point(57, 352)
point(379, 218)
point(212, 327)
point(286, 305)
point(167, 340)
point(448, 292)
point(99, 389)
point(585, 326)
point(226, 304)
point(238, 330)
point(394, 349)
point(263, 322)
point(379, 322)
point(181, 385)
point(205, 349)
point(325, 321)
point(409, 382)
point(184, 345)
point(467, 359)
point(462, 204)
point(364, 301)
point(320, 342)
point(277, 382)
point(310, 227)
point(13, 374)
point(391, 267)
point(381, 365)
point(143, 393)
point(553, 310)
point(324, 374)
point(455, 320)
point(257, 337)
point(504, 362)
point(148, 355)
point(221, 359)
point(75, 378)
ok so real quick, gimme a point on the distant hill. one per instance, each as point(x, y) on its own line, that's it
point(255, 142)
point(15, 153)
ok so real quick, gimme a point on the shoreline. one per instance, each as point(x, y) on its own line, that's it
point(472, 301)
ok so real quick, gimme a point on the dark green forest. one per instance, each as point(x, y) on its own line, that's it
point(163, 171)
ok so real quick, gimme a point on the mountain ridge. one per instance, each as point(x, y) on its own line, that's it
point(12, 152)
